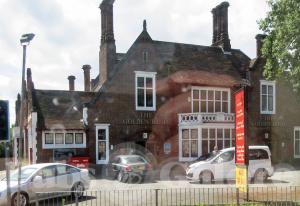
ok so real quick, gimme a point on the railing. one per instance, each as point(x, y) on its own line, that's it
point(199, 118)
point(258, 196)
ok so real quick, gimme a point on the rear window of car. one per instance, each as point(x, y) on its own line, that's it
point(128, 160)
point(258, 154)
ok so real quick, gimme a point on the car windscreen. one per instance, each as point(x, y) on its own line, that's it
point(133, 160)
point(213, 155)
point(25, 173)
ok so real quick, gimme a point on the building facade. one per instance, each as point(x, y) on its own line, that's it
point(170, 101)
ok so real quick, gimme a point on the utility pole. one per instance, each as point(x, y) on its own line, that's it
point(25, 40)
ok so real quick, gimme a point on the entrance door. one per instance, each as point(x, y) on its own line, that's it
point(102, 144)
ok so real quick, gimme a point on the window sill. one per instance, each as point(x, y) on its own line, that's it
point(145, 109)
point(261, 112)
point(63, 146)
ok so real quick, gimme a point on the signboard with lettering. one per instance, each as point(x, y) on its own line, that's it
point(240, 117)
point(4, 120)
point(241, 175)
point(241, 147)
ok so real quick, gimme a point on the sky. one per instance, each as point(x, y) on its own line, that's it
point(68, 34)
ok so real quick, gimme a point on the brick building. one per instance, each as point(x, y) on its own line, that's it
point(173, 100)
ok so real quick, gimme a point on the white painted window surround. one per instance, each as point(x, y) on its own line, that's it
point(201, 139)
point(57, 139)
point(297, 142)
point(102, 143)
point(267, 97)
point(145, 91)
point(210, 99)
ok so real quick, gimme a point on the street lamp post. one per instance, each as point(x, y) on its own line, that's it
point(25, 40)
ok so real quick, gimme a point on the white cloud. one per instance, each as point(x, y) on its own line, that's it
point(68, 34)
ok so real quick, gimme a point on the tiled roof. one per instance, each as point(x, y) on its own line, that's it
point(60, 109)
point(202, 58)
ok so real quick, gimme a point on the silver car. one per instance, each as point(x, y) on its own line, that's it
point(44, 179)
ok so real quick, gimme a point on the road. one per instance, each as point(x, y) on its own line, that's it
point(280, 187)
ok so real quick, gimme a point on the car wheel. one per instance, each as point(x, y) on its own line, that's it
point(78, 190)
point(24, 201)
point(206, 177)
point(135, 179)
point(260, 176)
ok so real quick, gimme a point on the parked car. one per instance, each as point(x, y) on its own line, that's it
point(221, 166)
point(130, 168)
point(44, 179)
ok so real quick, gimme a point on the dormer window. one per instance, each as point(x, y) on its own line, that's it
point(145, 91)
point(267, 97)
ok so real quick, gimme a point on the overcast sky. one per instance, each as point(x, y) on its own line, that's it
point(68, 34)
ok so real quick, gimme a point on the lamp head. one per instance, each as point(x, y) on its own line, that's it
point(26, 38)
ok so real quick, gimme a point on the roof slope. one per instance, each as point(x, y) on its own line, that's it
point(60, 109)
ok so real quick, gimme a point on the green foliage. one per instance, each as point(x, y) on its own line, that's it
point(282, 45)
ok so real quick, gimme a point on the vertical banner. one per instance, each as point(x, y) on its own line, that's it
point(241, 147)
point(241, 175)
point(240, 150)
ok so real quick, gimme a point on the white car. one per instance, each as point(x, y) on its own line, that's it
point(44, 179)
point(221, 166)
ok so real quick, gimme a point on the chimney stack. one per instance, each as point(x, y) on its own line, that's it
point(259, 43)
point(87, 77)
point(29, 80)
point(71, 82)
point(107, 54)
point(220, 26)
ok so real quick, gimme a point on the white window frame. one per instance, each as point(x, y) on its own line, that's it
point(145, 75)
point(268, 83)
point(214, 89)
point(64, 145)
point(297, 128)
point(106, 128)
point(200, 140)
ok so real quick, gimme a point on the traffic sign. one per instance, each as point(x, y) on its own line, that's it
point(4, 120)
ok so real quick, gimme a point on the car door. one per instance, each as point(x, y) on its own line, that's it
point(47, 184)
point(64, 178)
point(224, 166)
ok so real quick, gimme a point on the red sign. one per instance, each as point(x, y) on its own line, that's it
point(82, 162)
point(240, 152)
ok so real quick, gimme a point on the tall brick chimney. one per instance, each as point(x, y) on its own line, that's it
point(107, 54)
point(220, 26)
point(29, 79)
point(71, 82)
point(259, 43)
point(87, 77)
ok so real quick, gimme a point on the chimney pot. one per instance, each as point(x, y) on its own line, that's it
point(71, 79)
point(87, 77)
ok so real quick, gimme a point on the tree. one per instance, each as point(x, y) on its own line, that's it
point(281, 47)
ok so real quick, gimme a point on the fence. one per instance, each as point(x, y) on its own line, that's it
point(264, 195)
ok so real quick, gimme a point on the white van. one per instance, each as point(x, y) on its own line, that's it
point(221, 166)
